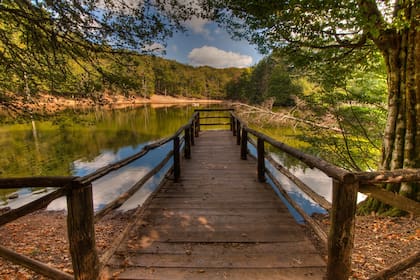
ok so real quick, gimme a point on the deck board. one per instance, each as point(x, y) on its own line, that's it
point(218, 222)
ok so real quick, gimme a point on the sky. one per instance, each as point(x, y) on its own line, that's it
point(205, 43)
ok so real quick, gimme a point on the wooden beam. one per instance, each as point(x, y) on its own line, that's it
point(177, 159)
point(301, 185)
point(33, 265)
point(187, 147)
point(341, 236)
point(238, 133)
point(81, 232)
point(397, 267)
point(329, 169)
point(214, 110)
point(311, 222)
point(35, 182)
point(32, 206)
point(125, 196)
point(117, 165)
point(391, 198)
point(244, 143)
point(391, 176)
point(261, 160)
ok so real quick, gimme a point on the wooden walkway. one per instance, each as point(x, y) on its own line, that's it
point(218, 222)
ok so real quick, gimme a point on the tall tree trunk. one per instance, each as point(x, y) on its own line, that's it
point(401, 142)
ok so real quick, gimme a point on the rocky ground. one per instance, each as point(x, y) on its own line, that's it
point(380, 241)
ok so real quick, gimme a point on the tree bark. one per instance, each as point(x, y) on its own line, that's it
point(401, 52)
point(400, 47)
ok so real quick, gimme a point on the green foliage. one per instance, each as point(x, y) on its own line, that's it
point(41, 40)
point(269, 79)
point(359, 109)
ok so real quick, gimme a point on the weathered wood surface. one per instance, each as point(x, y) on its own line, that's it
point(217, 222)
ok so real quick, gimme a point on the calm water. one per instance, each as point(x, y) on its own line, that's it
point(78, 143)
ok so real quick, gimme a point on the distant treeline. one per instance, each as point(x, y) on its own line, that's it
point(123, 73)
point(132, 74)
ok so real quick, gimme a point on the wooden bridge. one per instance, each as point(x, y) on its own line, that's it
point(215, 217)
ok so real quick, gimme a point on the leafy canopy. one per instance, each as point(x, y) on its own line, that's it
point(40, 36)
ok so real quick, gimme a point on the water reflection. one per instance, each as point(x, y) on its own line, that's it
point(78, 143)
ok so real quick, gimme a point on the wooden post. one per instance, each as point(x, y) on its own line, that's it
point(233, 125)
point(261, 160)
point(341, 236)
point(197, 125)
point(177, 160)
point(244, 144)
point(238, 132)
point(81, 232)
point(192, 134)
point(187, 138)
point(197, 128)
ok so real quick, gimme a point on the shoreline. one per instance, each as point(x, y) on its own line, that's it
point(50, 104)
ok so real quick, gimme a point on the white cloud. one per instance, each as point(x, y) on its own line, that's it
point(197, 26)
point(154, 48)
point(218, 58)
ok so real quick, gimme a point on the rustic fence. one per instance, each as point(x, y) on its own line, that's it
point(80, 213)
point(346, 185)
point(81, 217)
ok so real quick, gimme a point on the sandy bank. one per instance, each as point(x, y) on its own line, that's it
point(47, 104)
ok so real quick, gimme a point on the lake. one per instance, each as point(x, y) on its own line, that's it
point(78, 142)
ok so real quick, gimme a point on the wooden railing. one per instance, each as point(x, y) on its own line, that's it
point(346, 185)
point(80, 212)
point(81, 217)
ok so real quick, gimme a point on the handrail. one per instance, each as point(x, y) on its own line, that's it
point(346, 184)
point(35, 182)
point(199, 123)
point(81, 218)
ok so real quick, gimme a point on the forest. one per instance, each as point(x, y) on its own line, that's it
point(353, 63)
point(128, 74)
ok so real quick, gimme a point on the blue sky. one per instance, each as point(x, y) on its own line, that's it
point(206, 44)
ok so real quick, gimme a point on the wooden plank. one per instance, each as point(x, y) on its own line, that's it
point(216, 249)
point(219, 219)
point(168, 218)
point(153, 273)
point(221, 212)
point(236, 260)
point(211, 205)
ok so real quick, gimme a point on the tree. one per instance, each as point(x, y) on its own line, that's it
point(38, 38)
point(339, 36)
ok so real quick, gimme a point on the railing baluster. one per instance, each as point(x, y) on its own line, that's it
point(341, 236)
point(192, 134)
point(187, 138)
point(81, 233)
point(261, 160)
point(233, 125)
point(197, 124)
point(244, 143)
point(177, 160)
point(238, 132)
